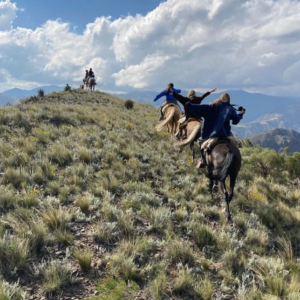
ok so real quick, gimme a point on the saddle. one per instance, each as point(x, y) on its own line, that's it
point(169, 105)
point(185, 122)
point(209, 144)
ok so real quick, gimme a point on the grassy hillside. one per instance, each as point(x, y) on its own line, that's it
point(96, 205)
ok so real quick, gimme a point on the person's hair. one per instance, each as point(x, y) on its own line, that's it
point(170, 85)
point(224, 98)
point(191, 94)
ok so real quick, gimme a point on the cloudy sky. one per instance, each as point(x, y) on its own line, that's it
point(252, 45)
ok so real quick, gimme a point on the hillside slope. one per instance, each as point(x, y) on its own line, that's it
point(97, 205)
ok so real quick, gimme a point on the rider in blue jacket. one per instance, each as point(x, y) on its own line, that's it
point(217, 116)
point(226, 113)
point(169, 97)
point(90, 74)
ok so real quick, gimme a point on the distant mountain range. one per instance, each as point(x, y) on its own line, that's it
point(263, 112)
point(278, 139)
point(4, 99)
point(21, 94)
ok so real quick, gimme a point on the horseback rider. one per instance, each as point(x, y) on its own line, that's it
point(226, 112)
point(86, 76)
point(217, 116)
point(191, 97)
point(90, 74)
point(169, 98)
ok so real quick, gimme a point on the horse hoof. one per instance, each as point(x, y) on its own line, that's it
point(215, 189)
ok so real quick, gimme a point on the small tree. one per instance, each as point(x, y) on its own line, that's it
point(67, 88)
point(41, 93)
point(129, 104)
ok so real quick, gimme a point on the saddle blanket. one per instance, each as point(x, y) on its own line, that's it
point(233, 140)
point(168, 105)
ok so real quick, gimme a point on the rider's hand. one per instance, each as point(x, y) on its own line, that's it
point(213, 90)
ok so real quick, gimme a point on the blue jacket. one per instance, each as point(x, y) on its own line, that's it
point(169, 96)
point(222, 126)
point(207, 112)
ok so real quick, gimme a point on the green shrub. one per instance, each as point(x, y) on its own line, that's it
point(129, 104)
point(40, 93)
point(67, 88)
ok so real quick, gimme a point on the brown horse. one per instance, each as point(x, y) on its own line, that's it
point(193, 132)
point(223, 160)
point(172, 114)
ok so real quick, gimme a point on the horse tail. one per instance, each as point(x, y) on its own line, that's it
point(222, 172)
point(160, 126)
point(191, 137)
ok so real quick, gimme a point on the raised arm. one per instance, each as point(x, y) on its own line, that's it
point(236, 117)
point(199, 111)
point(198, 100)
point(183, 100)
point(163, 93)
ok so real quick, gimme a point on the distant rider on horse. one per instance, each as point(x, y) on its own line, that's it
point(169, 98)
point(85, 79)
point(90, 74)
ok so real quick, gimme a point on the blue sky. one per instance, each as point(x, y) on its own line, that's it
point(250, 45)
point(78, 13)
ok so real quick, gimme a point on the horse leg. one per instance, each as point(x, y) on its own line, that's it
point(176, 129)
point(210, 187)
point(169, 129)
point(232, 184)
point(226, 197)
point(192, 149)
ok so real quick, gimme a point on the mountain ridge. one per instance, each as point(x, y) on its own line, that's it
point(278, 139)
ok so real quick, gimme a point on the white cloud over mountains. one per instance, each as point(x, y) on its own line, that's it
point(229, 44)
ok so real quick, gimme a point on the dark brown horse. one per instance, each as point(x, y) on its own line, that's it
point(223, 160)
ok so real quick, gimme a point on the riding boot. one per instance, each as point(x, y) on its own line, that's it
point(201, 161)
point(161, 115)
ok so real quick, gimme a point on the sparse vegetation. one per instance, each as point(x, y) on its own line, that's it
point(90, 193)
point(84, 258)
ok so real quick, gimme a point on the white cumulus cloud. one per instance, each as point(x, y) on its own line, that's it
point(7, 14)
point(229, 44)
